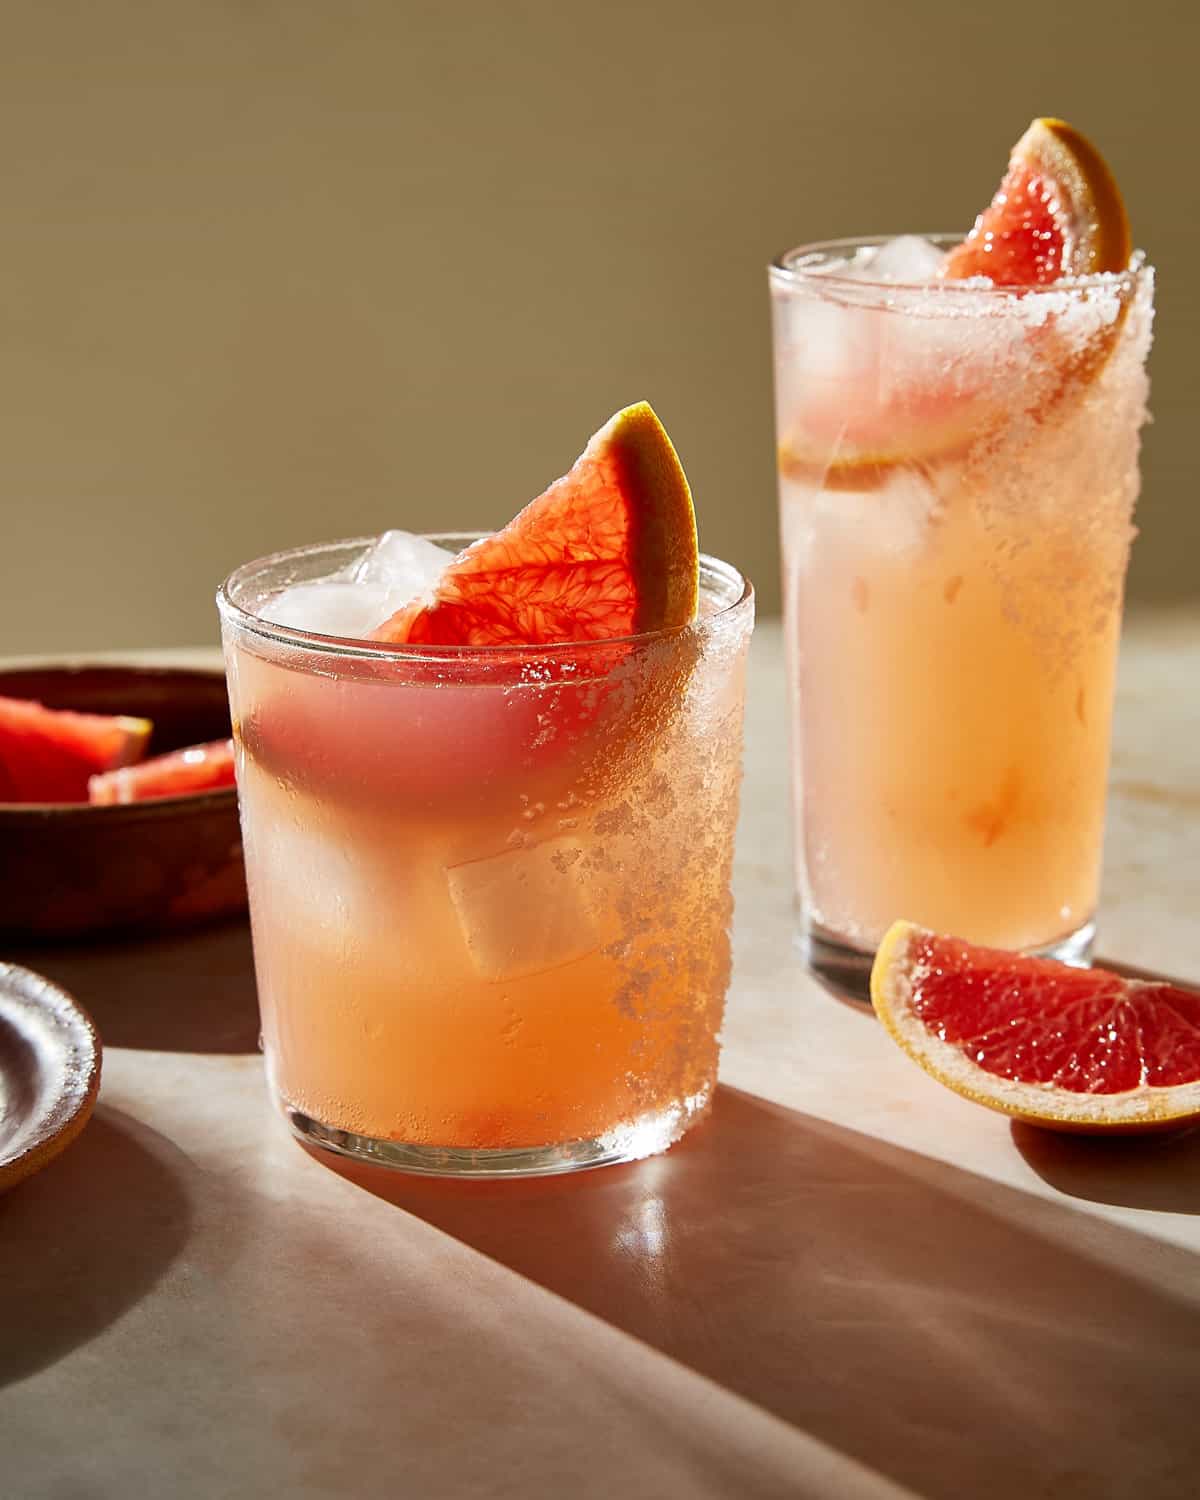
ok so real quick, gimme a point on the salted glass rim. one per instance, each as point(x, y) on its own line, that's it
point(737, 587)
point(808, 265)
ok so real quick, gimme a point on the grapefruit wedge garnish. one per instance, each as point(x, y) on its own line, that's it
point(1057, 212)
point(609, 550)
point(606, 552)
point(1067, 1048)
point(48, 754)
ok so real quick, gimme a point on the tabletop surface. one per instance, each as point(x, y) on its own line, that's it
point(847, 1282)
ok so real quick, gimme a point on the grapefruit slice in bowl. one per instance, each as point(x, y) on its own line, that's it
point(48, 754)
point(72, 869)
point(1056, 1046)
point(178, 773)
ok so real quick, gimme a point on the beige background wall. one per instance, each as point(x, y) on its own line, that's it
point(277, 270)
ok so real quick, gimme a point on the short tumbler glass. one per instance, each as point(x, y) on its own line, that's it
point(958, 465)
point(489, 887)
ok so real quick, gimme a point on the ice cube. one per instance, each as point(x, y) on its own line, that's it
point(309, 880)
point(827, 350)
point(408, 565)
point(907, 509)
point(526, 910)
point(894, 519)
point(396, 569)
point(332, 607)
point(907, 260)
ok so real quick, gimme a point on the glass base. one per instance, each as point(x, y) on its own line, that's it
point(642, 1137)
point(846, 971)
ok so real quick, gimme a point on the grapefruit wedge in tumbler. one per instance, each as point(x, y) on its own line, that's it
point(489, 829)
point(609, 550)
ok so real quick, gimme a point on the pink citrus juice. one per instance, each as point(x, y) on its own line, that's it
point(490, 889)
point(958, 469)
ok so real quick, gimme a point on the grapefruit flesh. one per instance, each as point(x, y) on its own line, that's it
point(1057, 212)
point(1068, 1048)
point(198, 768)
point(48, 754)
point(609, 550)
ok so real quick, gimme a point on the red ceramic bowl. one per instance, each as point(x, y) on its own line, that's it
point(71, 870)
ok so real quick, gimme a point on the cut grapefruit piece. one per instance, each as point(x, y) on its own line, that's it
point(1066, 1048)
point(848, 451)
point(198, 768)
point(609, 550)
point(48, 754)
point(1057, 212)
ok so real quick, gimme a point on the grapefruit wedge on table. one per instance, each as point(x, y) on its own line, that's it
point(1057, 212)
point(608, 550)
point(1067, 1048)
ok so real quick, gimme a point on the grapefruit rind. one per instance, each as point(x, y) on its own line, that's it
point(138, 730)
point(607, 550)
point(1146, 1108)
point(865, 472)
point(668, 572)
point(1079, 168)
